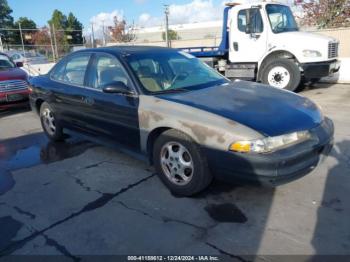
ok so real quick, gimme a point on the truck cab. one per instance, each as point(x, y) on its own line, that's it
point(262, 42)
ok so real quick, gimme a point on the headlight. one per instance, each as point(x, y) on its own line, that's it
point(269, 144)
point(311, 53)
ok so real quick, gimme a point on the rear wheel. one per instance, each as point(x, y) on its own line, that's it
point(49, 123)
point(180, 163)
point(281, 73)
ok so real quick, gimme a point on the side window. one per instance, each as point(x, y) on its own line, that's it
point(75, 69)
point(255, 20)
point(58, 71)
point(242, 20)
point(108, 70)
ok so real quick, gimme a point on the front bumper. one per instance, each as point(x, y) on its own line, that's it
point(278, 167)
point(14, 98)
point(320, 69)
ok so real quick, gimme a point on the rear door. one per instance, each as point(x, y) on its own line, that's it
point(112, 115)
point(68, 92)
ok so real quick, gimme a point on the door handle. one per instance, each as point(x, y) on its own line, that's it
point(235, 46)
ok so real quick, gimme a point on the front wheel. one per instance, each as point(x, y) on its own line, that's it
point(282, 73)
point(49, 123)
point(180, 164)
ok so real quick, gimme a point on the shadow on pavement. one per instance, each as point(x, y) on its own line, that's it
point(332, 231)
point(13, 111)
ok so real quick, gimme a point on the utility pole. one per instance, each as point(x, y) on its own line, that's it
point(55, 40)
point(51, 42)
point(20, 32)
point(166, 12)
point(103, 33)
point(92, 35)
point(1, 46)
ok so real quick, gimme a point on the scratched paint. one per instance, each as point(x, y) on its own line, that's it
point(205, 128)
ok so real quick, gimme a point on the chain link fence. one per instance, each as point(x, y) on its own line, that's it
point(41, 45)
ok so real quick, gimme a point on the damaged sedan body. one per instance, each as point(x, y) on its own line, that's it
point(192, 123)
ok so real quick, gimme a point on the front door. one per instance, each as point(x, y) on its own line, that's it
point(111, 115)
point(248, 37)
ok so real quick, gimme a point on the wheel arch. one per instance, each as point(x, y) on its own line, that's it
point(38, 104)
point(154, 134)
point(273, 55)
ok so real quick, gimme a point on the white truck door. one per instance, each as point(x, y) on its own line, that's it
point(248, 35)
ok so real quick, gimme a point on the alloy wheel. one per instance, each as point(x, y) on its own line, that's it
point(49, 121)
point(177, 164)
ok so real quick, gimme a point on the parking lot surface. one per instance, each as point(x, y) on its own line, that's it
point(78, 198)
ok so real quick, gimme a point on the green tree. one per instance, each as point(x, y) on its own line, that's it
point(172, 35)
point(26, 23)
point(74, 30)
point(58, 20)
point(6, 21)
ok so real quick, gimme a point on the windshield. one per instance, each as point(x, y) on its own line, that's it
point(5, 63)
point(172, 71)
point(281, 18)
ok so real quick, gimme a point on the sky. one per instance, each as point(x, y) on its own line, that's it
point(142, 12)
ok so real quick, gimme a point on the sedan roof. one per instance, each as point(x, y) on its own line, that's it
point(124, 49)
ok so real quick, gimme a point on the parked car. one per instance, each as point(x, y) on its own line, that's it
point(28, 58)
point(13, 83)
point(191, 122)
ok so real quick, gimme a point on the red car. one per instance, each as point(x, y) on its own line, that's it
point(13, 83)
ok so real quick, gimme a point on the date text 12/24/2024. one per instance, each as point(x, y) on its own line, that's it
point(173, 258)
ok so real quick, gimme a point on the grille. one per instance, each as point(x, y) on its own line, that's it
point(13, 85)
point(332, 49)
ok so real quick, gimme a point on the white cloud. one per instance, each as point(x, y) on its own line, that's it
point(104, 19)
point(195, 11)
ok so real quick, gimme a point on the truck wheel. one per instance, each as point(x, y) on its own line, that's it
point(49, 123)
point(281, 73)
point(180, 164)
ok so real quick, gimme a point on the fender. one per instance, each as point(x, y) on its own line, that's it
point(274, 51)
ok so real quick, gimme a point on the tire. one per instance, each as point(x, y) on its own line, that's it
point(49, 123)
point(173, 167)
point(281, 73)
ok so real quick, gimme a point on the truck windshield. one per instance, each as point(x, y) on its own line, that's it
point(172, 71)
point(281, 18)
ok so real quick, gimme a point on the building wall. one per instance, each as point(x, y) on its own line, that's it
point(212, 37)
point(343, 35)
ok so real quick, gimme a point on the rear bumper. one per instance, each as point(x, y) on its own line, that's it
point(321, 69)
point(278, 167)
point(14, 99)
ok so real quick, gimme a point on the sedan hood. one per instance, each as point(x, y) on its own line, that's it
point(13, 74)
point(265, 109)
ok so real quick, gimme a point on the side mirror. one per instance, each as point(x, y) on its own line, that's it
point(117, 87)
point(19, 64)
